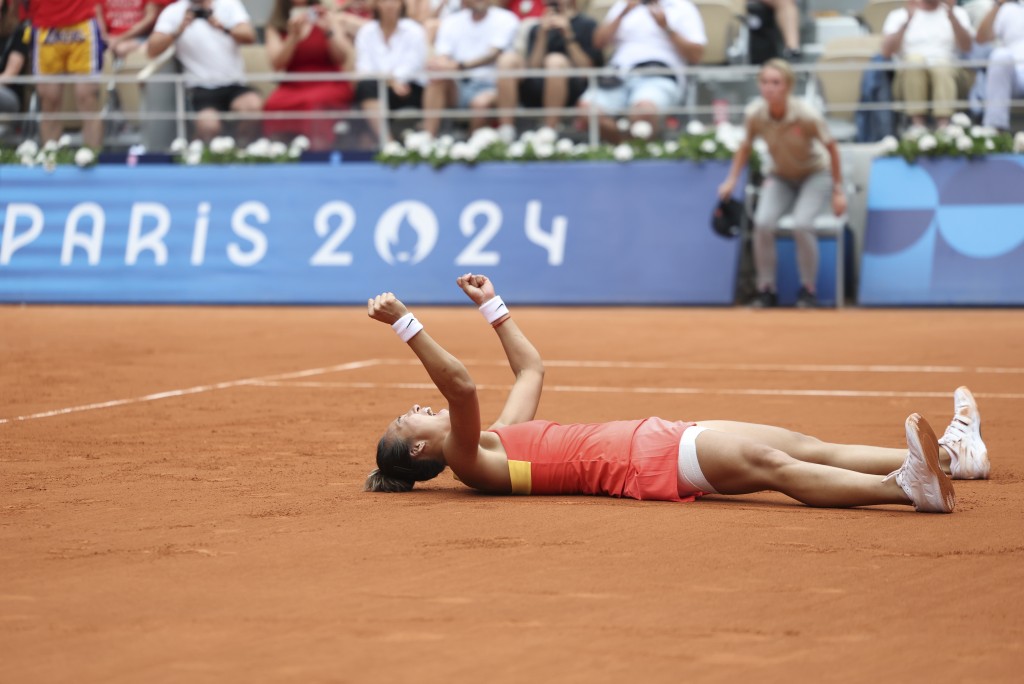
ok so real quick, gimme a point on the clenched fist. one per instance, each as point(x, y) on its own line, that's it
point(386, 308)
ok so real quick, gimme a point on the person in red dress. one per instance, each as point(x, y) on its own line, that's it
point(305, 38)
point(651, 459)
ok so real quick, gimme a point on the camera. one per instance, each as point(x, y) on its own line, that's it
point(200, 12)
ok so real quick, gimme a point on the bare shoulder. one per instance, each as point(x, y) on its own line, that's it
point(490, 471)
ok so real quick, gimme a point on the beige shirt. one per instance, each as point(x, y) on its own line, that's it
point(796, 142)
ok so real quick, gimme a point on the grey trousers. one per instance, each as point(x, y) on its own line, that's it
point(806, 200)
point(1004, 80)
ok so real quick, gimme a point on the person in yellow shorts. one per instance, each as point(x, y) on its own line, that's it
point(66, 40)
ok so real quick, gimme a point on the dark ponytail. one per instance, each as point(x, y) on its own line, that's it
point(397, 470)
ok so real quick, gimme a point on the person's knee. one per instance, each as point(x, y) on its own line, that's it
point(207, 123)
point(247, 102)
point(556, 61)
point(50, 95)
point(509, 60)
point(87, 96)
point(766, 463)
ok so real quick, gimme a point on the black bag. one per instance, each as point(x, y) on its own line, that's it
point(727, 218)
point(765, 41)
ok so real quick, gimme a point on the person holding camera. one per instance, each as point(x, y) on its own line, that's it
point(303, 37)
point(646, 35)
point(1004, 77)
point(806, 176)
point(562, 39)
point(206, 35)
point(66, 40)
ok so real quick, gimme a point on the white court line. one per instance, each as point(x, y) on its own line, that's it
point(199, 389)
point(426, 386)
point(768, 367)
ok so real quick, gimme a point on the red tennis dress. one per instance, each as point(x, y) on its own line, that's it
point(638, 459)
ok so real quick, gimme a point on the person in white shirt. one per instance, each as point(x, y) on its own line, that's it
point(477, 41)
point(645, 34)
point(1004, 77)
point(932, 34)
point(394, 45)
point(206, 35)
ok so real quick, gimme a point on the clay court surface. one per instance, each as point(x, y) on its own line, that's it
point(180, 501)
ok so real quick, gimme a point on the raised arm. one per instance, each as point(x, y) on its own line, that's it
point(447, 373)
point(523, 358)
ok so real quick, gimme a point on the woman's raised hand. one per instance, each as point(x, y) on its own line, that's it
point(386, 308)
point(479, 288)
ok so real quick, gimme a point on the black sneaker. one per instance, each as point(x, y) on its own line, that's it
point(764, 300)
point(805, 299)
point(793, 55)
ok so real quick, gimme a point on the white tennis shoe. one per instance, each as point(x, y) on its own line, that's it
point(920, 476)
point(968, 456)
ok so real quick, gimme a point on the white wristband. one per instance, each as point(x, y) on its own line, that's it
point(407, 326)
point(493, 309)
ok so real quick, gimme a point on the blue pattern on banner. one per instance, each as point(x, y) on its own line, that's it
point(574, 233)
point(971, 253)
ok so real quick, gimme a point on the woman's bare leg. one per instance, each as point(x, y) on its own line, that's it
point(863, 459)
point(735, 464)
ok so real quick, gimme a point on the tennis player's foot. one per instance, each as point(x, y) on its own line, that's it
point(765, 299)
point(968, 456)
point(805, 299)
point(920, 476)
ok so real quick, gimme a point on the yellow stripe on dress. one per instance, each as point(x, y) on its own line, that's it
point(522, 480)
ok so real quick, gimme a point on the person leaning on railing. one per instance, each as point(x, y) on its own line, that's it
point(395, 45)
point(206, 35)
point(303, 37)
point(1004, 77)
point(931, 34)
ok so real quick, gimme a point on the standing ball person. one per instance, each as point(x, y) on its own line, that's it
point(806, 175)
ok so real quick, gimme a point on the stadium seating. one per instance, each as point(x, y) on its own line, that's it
point(839, 89)
point(875, 11)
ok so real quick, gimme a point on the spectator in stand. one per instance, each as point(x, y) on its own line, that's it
point(206, 35)
point(525, 9)
point(66, 40)
point(395, 45)
point(303, 37)
point(354, 15)
point(806, 174)
point(15, 35)
point(787, 18)
point(657, 34)
point(931, 34)
point(125, 24)
point(1004, 78)
point(477, 41)
point(430, 13)
point(561, 39)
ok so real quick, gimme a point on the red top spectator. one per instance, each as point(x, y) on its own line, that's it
point(59, 13)
point(127, 23)
point(526, 8)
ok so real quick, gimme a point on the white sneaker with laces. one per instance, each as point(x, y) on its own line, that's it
point(920, 476)
point(968, 456)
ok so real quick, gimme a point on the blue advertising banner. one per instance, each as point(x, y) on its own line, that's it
point(945, 232)
point(572, 233)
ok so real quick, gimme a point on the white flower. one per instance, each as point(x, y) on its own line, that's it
point(989, 145)
point(416, 139)
point(641, 129)
point(729, 136)
point(222, 144)
point(960, 119)
point(517, 149)
point(952, 131)
point(426, 148)
point(695, 127)
point(655, 150)
point(580, 149)
point(622, 125)
point(293, 153)
point(41, 156)
point(914, 132)
point(1018, 142)
point(300, 142)
point(50, 146)
point(964, 143)
point(547, 135)
point(258, 148)
point(460, 150)
point(84, 156)
point(622, 152)
point(482, 137)
point(983, 132)
point(64, 140)
point(543, 149)
point(28, 160)
point(29, 148)
point(193, 156)
point(708, 147)
point(471, 153)
point(671, 147)
point(444, 141)
point(196, 146)
point(277, 149)
point(564, 146)
point(179, 145)
point(393, 148)
point(890, 144)
point(927, 142)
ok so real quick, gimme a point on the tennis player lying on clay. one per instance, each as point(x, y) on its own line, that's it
point(650, 459)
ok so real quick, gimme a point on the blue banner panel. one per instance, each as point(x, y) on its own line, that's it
point(945, 232)
point(559, 233)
